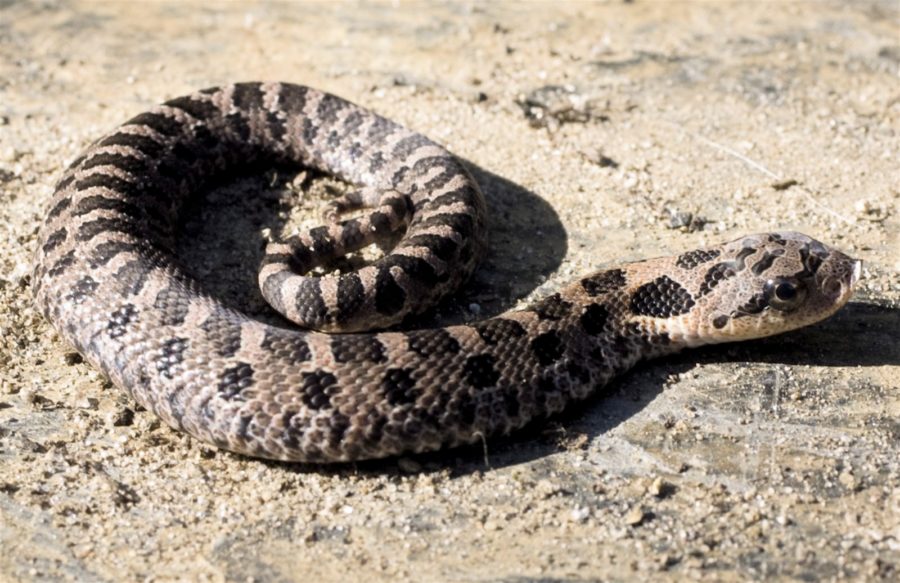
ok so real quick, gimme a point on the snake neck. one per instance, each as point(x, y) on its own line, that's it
point(623, 317)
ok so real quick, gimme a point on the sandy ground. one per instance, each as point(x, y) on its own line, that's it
point(600, 132)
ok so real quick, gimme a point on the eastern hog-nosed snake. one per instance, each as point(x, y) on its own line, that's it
point(107, 277)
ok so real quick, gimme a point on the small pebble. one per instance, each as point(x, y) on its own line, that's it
point(580, 514)
point(635, 516)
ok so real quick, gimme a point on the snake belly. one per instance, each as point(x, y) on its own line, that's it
point(108, 279)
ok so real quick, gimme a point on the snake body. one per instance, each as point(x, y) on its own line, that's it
point(107, 277)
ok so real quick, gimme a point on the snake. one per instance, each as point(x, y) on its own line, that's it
point(341, 378)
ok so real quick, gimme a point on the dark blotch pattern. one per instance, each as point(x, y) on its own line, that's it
point(577, 373)
point(604, 282)
point(130, 164)
point(83, 289)
point(248, 96)
point(512, 405)
point(322, 243)
point(716, 275)
point(480, 372)
point(754, 305)
point(223, 331)
point(239, 127)
point(399, 386)
point(547, 347)
point(160, 123)
point(551, 361)
point(389, 296)
point(244, 423)
point(103, 226)
point(144, 144)
point(286, 344)
point(400, 205)
point(196, 108)
point(414, 267)
point(338, 424)
point(357, 348)
point(547, 391)
point(106, 251)
point(465, 406)
point(552, 308)
point(436, 342)
point(98, 202)
point(62, 205)
point(350, 296)
point(62, 264)
point(328, 110)
point(351, 235)
point(408, 145)
point(461, 223)
point(131, 277)
point(235, 379)
point(300, 260)
point(661, 298)
point(448, 198)
point(109, 182)
point(309, 131)
point(293, 99)
point(121, 319)
point(594, 319)
point(173, 306)
point(444, 248)
point(380, 223)
point(765, 262)
point(55, 240)
point(692, 259)
point(811, 263)
point(63, 184)
point(170, 356)
point(742, 256)
point(309, 302)
point(317, 388)
point(184, 154)
point(376, 162)
point(497, 330)
point(277, 126)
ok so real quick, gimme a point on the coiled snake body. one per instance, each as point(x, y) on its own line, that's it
point(107, 278)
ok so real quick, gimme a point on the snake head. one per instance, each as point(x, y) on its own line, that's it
point(766, 284)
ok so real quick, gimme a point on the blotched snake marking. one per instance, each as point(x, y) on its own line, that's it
point(107, 277)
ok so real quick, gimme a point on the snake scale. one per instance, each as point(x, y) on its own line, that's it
point(108, 279)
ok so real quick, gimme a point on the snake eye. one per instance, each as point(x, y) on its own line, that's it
point(785, 294)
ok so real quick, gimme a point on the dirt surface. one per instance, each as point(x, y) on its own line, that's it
point(600, 133)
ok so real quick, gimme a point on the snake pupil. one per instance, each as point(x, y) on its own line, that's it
point(785, 292)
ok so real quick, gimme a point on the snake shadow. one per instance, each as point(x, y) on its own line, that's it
point(221, 241)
